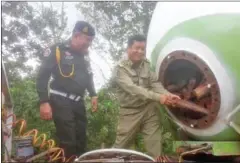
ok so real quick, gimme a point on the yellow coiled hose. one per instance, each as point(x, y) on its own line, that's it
point(39, 140)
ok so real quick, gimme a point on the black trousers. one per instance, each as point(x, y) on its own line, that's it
point(70, 121)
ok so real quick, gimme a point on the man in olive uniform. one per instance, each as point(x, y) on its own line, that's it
point(139, 94)
point(68, 65)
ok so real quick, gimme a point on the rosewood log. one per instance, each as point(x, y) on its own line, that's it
point(202, 91)
point(191, 106)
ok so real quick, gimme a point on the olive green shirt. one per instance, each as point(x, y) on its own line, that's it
point(136, 86)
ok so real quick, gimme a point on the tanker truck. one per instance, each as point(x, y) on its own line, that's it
point(194, 50)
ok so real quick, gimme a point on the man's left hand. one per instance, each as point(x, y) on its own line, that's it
point(94, 104)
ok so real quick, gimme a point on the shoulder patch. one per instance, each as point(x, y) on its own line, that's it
point(47, 52)
point(67, 53)
point(122, 63)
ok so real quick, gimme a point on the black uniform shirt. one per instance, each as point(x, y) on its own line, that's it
point(81, 80)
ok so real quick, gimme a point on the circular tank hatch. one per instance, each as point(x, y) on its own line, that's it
point(186, 75)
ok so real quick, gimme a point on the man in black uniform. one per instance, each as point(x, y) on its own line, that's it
point(68, 64)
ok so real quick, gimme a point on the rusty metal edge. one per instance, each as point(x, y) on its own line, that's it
point(8, 105)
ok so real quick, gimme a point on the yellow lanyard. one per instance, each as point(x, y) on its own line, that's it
point(58, 58)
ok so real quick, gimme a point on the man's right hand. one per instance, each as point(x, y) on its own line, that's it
point(169, 99)
point(45, 111)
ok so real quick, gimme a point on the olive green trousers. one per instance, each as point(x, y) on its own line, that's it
point(145, 120)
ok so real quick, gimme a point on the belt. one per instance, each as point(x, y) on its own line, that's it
point(67, 95)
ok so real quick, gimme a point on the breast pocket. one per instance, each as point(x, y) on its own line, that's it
point(133, 75)
point(81, 75)
point(144, 80)
point(135, 79)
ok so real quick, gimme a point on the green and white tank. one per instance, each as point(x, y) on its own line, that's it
point(200, 41)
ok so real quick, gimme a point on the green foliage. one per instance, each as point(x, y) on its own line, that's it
point(168, 131)
point(139, 143)
point(102, 125)
point(26, 106)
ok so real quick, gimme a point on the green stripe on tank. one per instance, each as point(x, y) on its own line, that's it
point(219, 32)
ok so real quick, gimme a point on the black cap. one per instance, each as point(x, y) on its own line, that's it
point(84, 27)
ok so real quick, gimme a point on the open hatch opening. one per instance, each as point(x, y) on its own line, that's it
point(188, 76)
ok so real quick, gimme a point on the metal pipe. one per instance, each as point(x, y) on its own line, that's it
point(235, 126)
point(237, 109)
